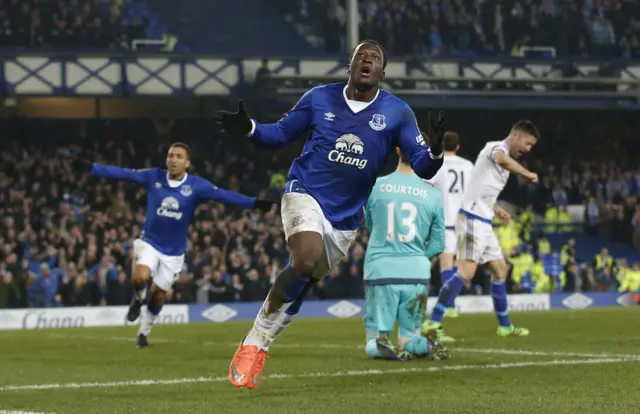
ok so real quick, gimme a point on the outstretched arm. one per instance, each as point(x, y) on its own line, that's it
point(122, 174)
point(290, 127)
point(209, 192)
point(416, 151)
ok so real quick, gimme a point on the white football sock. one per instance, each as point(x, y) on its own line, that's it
point(267, 327)
point(146, 322)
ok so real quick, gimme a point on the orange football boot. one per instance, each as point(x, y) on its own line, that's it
point(246, 366)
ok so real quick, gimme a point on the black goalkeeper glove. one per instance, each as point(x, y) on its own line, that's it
point(435, 132)
point(77, 163)
point(265, 205)
point(234, 122)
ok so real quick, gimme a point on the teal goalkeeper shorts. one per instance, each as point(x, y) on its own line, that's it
point(386, 304)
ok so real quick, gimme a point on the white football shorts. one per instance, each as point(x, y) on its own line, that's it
point(301, 212)
point(164, 269)
point(476, 240)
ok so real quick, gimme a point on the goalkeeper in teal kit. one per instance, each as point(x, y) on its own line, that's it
point(405, 217)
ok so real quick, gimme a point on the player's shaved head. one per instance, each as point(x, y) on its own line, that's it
point(367, 62)
point(373, 43)
point(451, 141)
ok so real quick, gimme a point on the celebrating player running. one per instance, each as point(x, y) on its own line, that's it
point(351, 129)
point(172, 198)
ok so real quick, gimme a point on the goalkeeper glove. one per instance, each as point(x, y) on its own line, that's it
point(77, 163)
point(435, 132)
point(234, 122)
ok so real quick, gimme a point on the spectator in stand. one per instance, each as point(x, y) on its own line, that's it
point(65, 24)
point(481, 27)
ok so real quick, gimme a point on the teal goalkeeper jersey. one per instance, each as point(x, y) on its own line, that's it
point(405, 218)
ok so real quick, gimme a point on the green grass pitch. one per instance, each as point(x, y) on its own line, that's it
point(574, 362)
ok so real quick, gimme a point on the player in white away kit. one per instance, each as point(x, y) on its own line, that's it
point(477, 243)
point(451, 180)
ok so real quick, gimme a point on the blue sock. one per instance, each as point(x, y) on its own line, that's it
point(293, 291)
point(372, 349)
point(448, 293)
point(154, 309)
point(499, 296)
point(445, 275)
point(418, 346)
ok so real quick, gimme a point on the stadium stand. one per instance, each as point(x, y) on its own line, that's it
point(471, 28)
point(66, 240)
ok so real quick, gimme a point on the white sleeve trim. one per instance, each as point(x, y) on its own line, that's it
point(253, 128)
point(435, 157)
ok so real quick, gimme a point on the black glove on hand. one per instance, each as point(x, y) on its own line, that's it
point(234, 122)
point(77, 163)
point(435, 132)
point(265, 205)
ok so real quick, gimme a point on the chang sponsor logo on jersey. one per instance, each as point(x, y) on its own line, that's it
point(347, 147)
point(169, 207)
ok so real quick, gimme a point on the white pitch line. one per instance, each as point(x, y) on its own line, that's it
point(352, 373)
point(346, 346)
point(20, 412)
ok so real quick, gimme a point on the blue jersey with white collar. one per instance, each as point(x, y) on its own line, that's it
point(170, 209)
point(346, 149)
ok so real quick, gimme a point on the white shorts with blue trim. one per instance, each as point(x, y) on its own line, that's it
point(476, 240)
point(301, 212)
point(164, 269)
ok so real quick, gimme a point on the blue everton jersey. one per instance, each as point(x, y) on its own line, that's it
point(347, 147)
point(170, 209)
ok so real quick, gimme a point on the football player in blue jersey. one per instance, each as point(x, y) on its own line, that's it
point(172, 198)
point(351, 129)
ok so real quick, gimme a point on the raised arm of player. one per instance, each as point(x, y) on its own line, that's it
point(418, 153)
point(505, 161)
point(207, 191)
point(122, 174)
point(435, 237)
point(289, 128)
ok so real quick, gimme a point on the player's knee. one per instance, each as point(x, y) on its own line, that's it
point(305, 261)
point(466, 269)
point(500, 271)
point(141, 275)
point(306, 252)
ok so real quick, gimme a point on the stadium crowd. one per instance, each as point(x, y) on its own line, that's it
point(481, 27)
point(65, 24)
point(65, 239)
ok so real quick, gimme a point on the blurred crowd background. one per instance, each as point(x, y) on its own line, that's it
point(606, 28)
point(479, 27)
point(66, 237)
